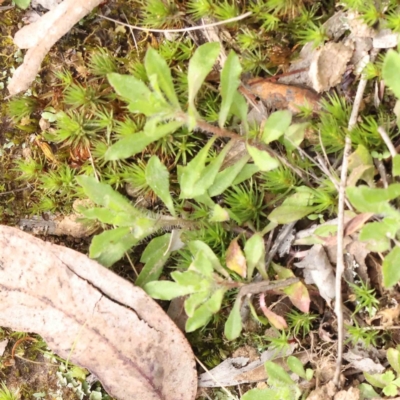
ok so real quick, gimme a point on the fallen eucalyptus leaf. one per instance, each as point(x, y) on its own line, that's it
point(94, 318)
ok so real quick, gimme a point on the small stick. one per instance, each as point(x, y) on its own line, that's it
point(192, 28)
point(387, 141)
point(19, 341)
point(340, 232)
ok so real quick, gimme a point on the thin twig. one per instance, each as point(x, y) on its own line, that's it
point(15, 190)
point(264, 286)
point(132, 33)
point(192, 28)
point(387, 141)
point(340, 232)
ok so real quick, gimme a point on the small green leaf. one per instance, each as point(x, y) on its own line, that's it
point(215, 301)
point(294, 135)
point(139, 97)
point(104, 195)
point(393, 356)
point(396, 165)
point(309, 374)
point(390, 268)
point(219, 214)
point(254, 251)
point(247, 172)
point(263, 394)
point(299, 296)
point(390, 390)
point(202, 264)
point(200, 317)
point(194, 301)
point(154, 257)
point(380, 380)
point(285, 214)
point(277, 374)
point(390, 72)
point(200, 66)
point(367, 391)
point(137, 142)
point(157, 177)
point(190, 175)
point(262, 159)
point(230, 81)
point(378, 235)
point(196, 246)
point(225, 178)
point(110, 246)
point(24, 4)
point(296, 366)
point(233, 325)
point(240, 109)
point(166, 290)
point(276, 125)
point(156, 65)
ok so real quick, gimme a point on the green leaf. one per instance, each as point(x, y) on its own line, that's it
point(396, 165)
point(230, 81)
point(390, 72)
point(154, 256)
point(104, 195)
point(189, 175)
point(367, 391)
point(196, 246)
point(285, 214)
point(240, 108)
point(309, 374)
point(200, 66)
point(393, 356)
point(157, 177)
point(219, 214)
point(233, 325)
point(390, 390)
point(24, 4)
point(194, 301)
point(139, 97)
point(200, 317)
point(156, 65)
point(294, 135)
point(360, 197)
point(380, 380)
point(110, 246)
point(390, 267)
point(166, 290)
point(254, 251)
point(296, 366)
point(225, 178)
point(262, 159)
point(277, 375)
point(378, 234)
point(263, 394)
point(215, 301)
point(247, 172)
point(137, 142)
point(202, 264)
point(276, 125)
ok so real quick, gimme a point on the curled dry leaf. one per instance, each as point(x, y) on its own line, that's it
point(96, 319)
point(283, 97)
point(328, 65)
point(40, 36)
point(318, 270)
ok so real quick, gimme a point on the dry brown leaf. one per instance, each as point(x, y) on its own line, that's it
point(389, 316)
point(328, 65)
point(40, 36)
point(93, 317)
point(319, 271)
point(283, 97)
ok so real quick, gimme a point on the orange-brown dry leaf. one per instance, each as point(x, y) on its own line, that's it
point(93, 317)
point(40, 36)
point(283, 97)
